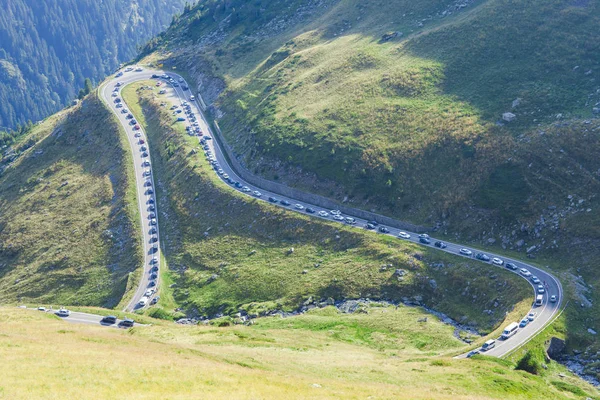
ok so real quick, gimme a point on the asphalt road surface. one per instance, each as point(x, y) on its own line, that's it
point(177, 96)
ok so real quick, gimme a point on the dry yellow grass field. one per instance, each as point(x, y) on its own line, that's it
point(45, 358)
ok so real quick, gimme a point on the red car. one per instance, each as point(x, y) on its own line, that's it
point(142, 141)
point(136, 128)
point(158, 83)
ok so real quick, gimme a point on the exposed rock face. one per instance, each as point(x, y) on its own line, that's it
point(556, 347)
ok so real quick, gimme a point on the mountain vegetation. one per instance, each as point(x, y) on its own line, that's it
point(227, 252)
point(475, 118)
point(48, 49)
point(67, 211)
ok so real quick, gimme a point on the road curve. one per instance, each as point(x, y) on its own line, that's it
point(138, 143)
point(174, 93)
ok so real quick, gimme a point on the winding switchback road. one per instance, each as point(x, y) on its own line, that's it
point(194, 118)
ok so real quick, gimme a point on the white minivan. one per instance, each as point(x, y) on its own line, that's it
point(490, 344)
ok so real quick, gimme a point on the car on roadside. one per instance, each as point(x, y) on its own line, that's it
point(150, 191)
point(273, 199)
point(146, 163)
point(338, 217)
point(482, 257)
point(525, 272)
point(553, 299)
point(310, 210)
point(535, 280)
point(497, 261)
point(284, 203)
point(541, 289)
point(153, 231)
point(524, 323)
point(403, 235)
point(511, 266)
point(369, 226)
point(144, 154)
point(148, 183)
point(151, 283)
point(149, 292)
point(141, 141)
point(143, 148)
point(531, 316)
point(154, 276)
point(126, 323)
point(256, 193)
point(155, 300)
point(246, 189)
point(465, 252)
point(350, 220)
point(153, 239)
point(298, 206)
point(384, 229)
point(63, 312)
point(124, 111)
point(423, 236)
point(440, 244)
point(42, 309)
point(143, 301)
point(424, 240)
point(472, 353)
point(323, 214)
point(153, 222)
point(109, 319)
point(238, 185)
point(335, 212)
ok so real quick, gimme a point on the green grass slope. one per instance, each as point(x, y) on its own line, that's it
point(321, 96)
point(67, 230)
point(321, 355)
point(406, 126)
point(226, 251)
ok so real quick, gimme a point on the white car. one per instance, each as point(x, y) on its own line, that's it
point(540, 289)
point(323, 213)
point(143, 301)
point(535, 280)
point(257, 193)
point(41, 308)
point(299, 206)
point(423, 236)
point(531, 316)
point(525, 272)
point(553, 299)
point(338, 217)
point(124, 111)
point(149, 292)
point(465, 252)
point(335, 212)
point(63, 312)
point(497, 261)
point(403, 235)
point(246, 189)
point(138, 69)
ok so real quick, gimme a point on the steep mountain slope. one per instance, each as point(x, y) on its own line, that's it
point(227, 252)
point(397, 106)
point(66, 229)
point(391, 101)
point(48, 48)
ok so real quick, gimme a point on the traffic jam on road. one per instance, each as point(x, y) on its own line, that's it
point(187, 111)
point(146, 294)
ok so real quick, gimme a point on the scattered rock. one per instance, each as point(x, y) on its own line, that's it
point(491, 240)
point(591, 331)
point(508, 116)
point(516, 102)
point(390, 35)
point(531, 249)
point(520, 243)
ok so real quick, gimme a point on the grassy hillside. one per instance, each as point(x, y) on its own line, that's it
point(227, 251)
point(397, 107)
point(271, 360)
point(388, 122)
point(67, 231)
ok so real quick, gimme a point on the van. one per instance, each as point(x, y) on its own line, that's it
point(490, 344)
point(539, 299)
point(509, 331)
